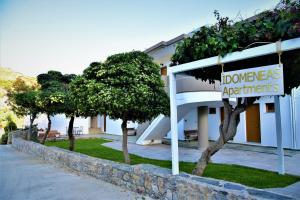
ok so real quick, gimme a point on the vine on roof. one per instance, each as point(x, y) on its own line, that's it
point(226, 36)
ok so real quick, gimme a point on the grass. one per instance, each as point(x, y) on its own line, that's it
point(234, 173)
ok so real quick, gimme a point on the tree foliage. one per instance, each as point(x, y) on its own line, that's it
point(23, 100)
point(12, 81)
point(54, 88)
point(22, 97)
point(126, 86)
point(53, 95)
point(24, 103)
point(226, 36)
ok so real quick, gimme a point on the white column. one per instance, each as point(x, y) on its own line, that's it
point(280, 151)
point(202, 127)
point(174, 128)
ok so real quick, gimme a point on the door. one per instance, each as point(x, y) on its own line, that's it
point(253, 123)
point(222, 114)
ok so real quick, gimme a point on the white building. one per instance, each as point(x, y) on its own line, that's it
point(199, 108)
point(100, 124)
point(200, 102)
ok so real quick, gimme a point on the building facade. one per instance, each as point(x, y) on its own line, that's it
point(200, 112)
point(257, 124)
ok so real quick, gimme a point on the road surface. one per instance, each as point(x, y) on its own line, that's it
point(24, 177)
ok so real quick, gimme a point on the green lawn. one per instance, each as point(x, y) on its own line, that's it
point(235, 173)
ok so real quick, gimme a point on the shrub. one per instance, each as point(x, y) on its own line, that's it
point(4, 138)
point(11, 126)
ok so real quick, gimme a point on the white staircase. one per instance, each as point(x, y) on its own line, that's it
point(187, 101)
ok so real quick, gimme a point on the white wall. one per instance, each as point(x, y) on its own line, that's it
point(214, 121)
point(240, 136)
point(267, 123)
point(41, 121)
point(296, 125)
point(84, 122)
point(100, 121)
point(268, 126)
point(114, 126)
point(191, 120)
point(181, 128)
point(163, 55)
point(59, 123)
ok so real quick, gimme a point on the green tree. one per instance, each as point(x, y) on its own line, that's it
point(10, 126)
point(55, 98)
point(23, 101)
point(70, 109)
point(224, 37)
point(126, 86)
point(51, 96)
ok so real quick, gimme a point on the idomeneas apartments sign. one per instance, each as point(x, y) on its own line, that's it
point(259, 81)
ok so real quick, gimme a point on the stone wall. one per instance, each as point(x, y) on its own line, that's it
point(149, 180)
point(18, 133)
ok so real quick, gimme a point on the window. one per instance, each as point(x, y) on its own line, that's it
point(270, 107)
point(212, 111)
point(163, 71)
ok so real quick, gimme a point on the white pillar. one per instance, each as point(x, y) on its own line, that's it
point(202, 127)
point(280, 151)
point(174, 128)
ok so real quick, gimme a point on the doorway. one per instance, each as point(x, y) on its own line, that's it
point(253, 123)
point(222, 114)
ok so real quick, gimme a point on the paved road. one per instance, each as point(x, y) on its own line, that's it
point(23, 177)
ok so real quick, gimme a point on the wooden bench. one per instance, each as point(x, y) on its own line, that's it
point(131, 131)
point(51, 134)
point(191, 135)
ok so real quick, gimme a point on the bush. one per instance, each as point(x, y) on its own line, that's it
point(4, 138)
point(11, 126)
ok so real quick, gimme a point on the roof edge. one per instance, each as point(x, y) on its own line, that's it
point(166, 43)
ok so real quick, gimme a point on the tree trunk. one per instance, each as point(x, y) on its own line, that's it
point(47, 131)
point(227, 131)
point(29, 130)
point(32, 118)
point(124, 141)
point(70, 134)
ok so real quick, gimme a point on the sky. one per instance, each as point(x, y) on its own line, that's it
point(67, 35)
